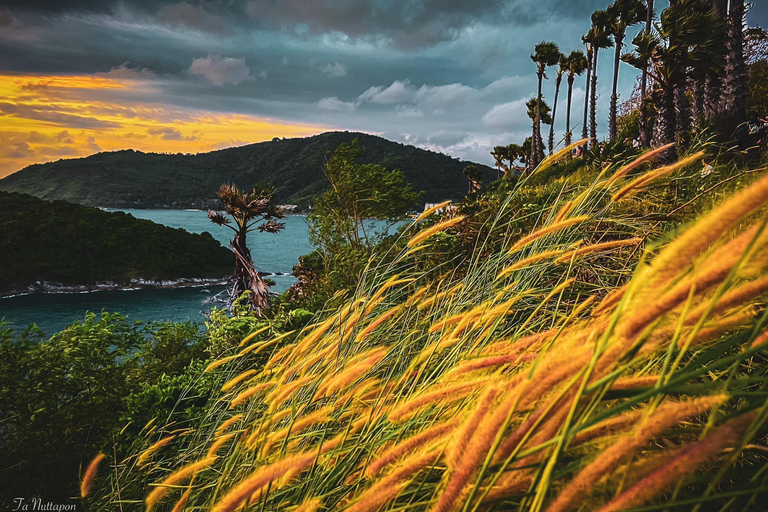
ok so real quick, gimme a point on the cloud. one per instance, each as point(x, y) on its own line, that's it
point(504, 114)
point(92, 146)
point(335, 70)
point(398, 92)
point(335, 104)
point(221, 70)
point(194, 17)
point(50, 114)
point(168, 133)
point(63, 137)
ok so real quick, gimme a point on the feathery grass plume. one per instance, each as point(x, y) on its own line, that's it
point(253, 335)
point(90, 474)
point(463, 435)
point(762, 338)
point(312, 505)
point(695, 240)
point(258, 347)
point(417, 295)
point(713, 271)
point(267, 424)
point(555, 157)
point(376, 323)
point(646, 381)
point(682, 462)
point(452, 320)
point(182, 503)
point(667, 415)
point(637, 162)
point(467, 458)
point(228, 423)
point(351, 374)
point(278, 357)
point(443, 392)
point(389, 487)
point(174, 479)
point(281, 394)
point(153, 449)
point(564, 210)
point(246, 395)
point(427, 302)
point(440, 226)
point(605, 246)
point(644, 180)
point(390, 283)
point(219, 443)
point(487, 363)
point(231, 383)
point(612, 426)
point(733, 297)
point(316, 418)
point(220, 362)
point(261, 478)
point(546, 230)
point(432, 209)
point(404, 448)
point(535, 258)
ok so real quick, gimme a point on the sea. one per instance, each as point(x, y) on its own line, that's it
point(275, 254)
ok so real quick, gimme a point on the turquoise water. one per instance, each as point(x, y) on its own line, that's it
point(272, 253)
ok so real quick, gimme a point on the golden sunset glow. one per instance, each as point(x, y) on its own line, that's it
point(45, 118)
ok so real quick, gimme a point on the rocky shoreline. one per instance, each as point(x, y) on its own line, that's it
point(133, 284)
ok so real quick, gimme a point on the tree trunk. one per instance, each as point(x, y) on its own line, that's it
point(619, 39)
point(735, 91)
point(554, 113)
point(713, 101)
point(586, 95)
point(697, 106)
point(593, 102)
point(664, 130)
point(568, 112)
point(645, 139)
point(536, 142)
point(682, 108)
point(246, 278)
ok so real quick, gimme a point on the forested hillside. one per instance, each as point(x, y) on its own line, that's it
point(75, 245)
point(294, 166)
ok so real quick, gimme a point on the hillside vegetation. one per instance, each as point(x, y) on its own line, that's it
point(571, 363)
point(76, 245)
point(133, 179)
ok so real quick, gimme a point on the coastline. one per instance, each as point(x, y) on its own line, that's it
point(48, 287)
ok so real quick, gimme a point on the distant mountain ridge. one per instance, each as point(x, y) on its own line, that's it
point(132, 179)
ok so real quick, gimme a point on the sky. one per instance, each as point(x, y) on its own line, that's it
point(82, 76)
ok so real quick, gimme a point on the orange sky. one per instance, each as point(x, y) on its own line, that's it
point(45, 118)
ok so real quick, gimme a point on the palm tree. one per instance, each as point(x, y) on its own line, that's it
point(537, 111)
point(600, 38)
point(248, 210)
point(645, 139)
point(546, 54)
point(588, 44)
point(735, 91)
point(714, 81)
point(577, 63)
point(623, 14)
point(562, 67)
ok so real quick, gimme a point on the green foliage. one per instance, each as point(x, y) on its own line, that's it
point(64, 398)
point(132, 179)
point(72, 244)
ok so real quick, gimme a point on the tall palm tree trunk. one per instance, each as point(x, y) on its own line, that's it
point(682, 107)
point(713, 85)
point(568, 112)
point(593, 102)
point(537, 145)
point(645, 139)
point(558, 81)
point(735, 92)
point(614, 93)
point(584, 125)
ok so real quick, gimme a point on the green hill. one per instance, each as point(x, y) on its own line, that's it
point(124, 179)
point(66, 243)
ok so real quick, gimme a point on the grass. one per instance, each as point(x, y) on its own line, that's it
point(524, 383)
